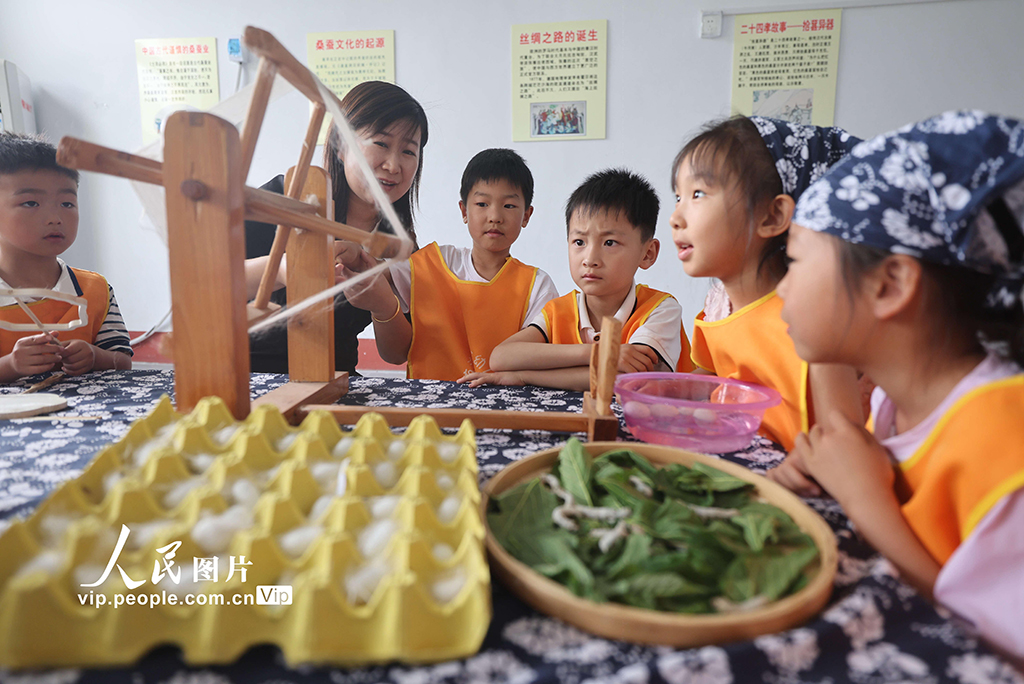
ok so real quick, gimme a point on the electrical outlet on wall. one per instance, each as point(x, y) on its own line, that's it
point(710, 24)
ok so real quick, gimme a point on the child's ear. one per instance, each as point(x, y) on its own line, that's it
point(777, 218)
point(462, 208)
point(894, 285)
point(650, 253)
point(527, 214)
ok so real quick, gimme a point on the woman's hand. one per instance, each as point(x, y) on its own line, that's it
point(352, 256)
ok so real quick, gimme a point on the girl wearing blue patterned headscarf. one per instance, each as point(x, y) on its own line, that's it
point(736, 185)
point(908, 262)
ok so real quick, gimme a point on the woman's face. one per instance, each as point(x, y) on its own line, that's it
point(393, 155)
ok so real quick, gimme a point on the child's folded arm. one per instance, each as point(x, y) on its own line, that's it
point(576, 378)
point(528, 349)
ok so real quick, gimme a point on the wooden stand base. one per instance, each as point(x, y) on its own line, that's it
point(600, 428)
point(292, 399)
point(597, 427)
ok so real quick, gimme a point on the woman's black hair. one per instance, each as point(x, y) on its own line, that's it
point(376, 105)
point(960, 296)
point(732, 152)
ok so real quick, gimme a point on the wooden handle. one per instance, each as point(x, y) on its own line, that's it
point(377, 244)
point(79, 154)
point(266, 46)
point(295, 185)
point(86, 156)
point(607, 364)
point(257, 108)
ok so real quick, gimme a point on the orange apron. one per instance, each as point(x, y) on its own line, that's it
point(457, 323)
point(752, 345)
point(97, 294)
point(971, 460)
point(562, 317)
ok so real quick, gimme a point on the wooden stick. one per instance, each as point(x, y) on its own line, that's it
point(260, 205)
point(482, 419)
point(48, 382)
point(377, 244)
point(257, 108)
point(86, 156)
point(266, 46)
point(608, 364)
point(298, 180)
point(31, 314)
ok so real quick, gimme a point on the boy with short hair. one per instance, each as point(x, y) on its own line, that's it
point(462, 300)
point(610, 221)
point(38, 221)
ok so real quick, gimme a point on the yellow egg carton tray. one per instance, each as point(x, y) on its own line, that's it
point(338, 547)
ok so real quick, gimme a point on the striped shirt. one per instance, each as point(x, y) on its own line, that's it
point(112, 336)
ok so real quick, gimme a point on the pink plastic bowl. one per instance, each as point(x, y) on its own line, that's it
point(697, 412)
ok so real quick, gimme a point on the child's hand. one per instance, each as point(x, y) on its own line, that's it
point(35, 354)
point(78, 357)
point(492, 378)
point(847, 461)
point(637, 358)
point(792, 474)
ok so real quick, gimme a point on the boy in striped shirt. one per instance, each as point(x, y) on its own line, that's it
point(39, 221)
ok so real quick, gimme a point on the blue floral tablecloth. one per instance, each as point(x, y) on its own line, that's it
point(875, 629)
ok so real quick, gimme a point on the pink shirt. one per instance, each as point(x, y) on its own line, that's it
point(983, 580)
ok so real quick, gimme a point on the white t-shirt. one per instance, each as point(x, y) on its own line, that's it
point(984, 578)
point(717, 306)
point(660, 331)
point(460, 263)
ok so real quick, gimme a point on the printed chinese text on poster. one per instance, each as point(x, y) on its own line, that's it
point(784, 65)
point(175, 73)
point(559, 78)
point(343, 59)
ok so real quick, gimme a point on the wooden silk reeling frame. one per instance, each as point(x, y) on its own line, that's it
point(205, 165)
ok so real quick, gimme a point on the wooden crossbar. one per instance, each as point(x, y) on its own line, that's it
point(260, 205)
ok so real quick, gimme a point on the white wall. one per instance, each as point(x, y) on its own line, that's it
point(896, 64)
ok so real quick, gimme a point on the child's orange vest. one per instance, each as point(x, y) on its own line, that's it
point(971, 460)
point(457, 323)
point(562, 317)
point(97, 294)
point(752, 345)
